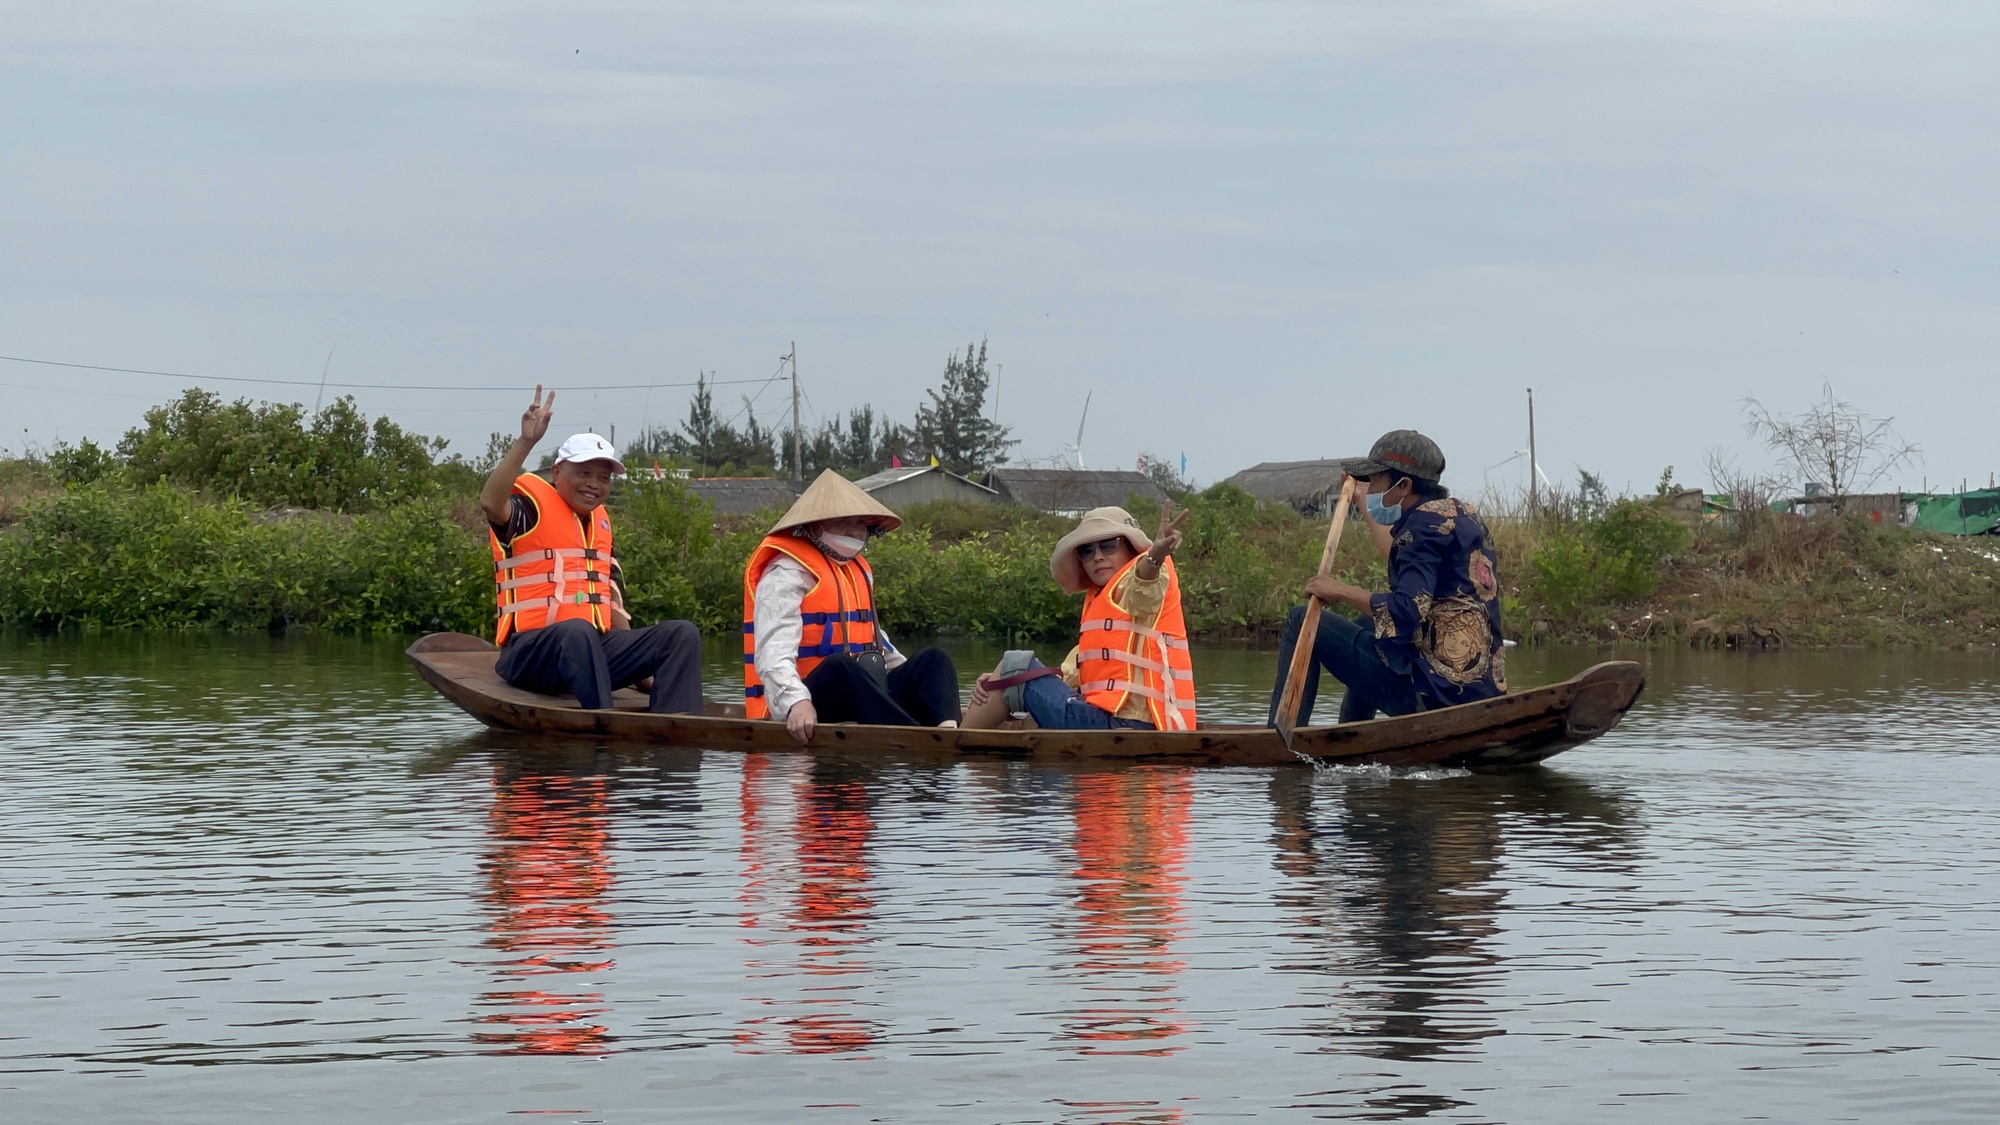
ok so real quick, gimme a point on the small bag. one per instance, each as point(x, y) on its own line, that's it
point(874, 663)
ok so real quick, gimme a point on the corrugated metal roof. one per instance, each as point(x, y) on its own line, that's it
point(743, 496)
point(887, 477)
point(1073, 490)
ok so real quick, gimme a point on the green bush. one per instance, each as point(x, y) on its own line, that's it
point(271, 454)
point(157, 558)
point(82, 463)
point(1578, 568)
point(675, 562)
point(986, 584)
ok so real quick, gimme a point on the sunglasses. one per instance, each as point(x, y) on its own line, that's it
point(1107, 547)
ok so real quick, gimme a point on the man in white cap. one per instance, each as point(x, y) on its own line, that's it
point(561, 598)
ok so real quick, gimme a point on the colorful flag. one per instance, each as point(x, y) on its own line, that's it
point(933, 460)
point(657, 474)
point(1183, 465)
point(895, 462)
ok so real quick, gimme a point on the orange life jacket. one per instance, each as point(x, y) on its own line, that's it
point(838, 612)
point(1118, 657)
point(558, 571)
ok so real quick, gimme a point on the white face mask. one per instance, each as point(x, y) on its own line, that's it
point(843, 546)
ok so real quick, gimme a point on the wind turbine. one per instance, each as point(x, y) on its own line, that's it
point(1076, 450)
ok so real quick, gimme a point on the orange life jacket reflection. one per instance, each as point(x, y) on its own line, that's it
point(838, 612)
point(558, 571)
point(1118, 658)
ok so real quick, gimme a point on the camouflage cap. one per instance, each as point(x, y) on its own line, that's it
point(1400, 451)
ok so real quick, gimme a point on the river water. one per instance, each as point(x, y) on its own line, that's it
point(247, 879)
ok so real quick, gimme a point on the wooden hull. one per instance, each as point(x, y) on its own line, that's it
point(1515, 729)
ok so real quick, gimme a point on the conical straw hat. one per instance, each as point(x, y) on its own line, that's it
point(834, 497)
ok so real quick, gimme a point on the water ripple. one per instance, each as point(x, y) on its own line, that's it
point(229, 860)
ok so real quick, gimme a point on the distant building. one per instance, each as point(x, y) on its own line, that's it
point(1310, 487)
point(1072, 492)
point(920, 484)
point(744, 496)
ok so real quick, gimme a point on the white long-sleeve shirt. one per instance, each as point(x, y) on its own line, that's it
point(781, 628)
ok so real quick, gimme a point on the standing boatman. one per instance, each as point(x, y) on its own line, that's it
point(563, 625)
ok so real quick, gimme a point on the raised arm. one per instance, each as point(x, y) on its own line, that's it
point(1168, 538)
point(500, 482)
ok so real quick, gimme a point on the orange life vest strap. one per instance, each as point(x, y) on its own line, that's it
point(1084, 654)
point(1112, 623)
point(512, 561)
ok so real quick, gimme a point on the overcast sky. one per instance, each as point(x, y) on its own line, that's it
point(1253, 230)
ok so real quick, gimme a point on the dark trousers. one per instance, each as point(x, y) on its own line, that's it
point(1346, 649)
point(923, 691)
point(572, 656)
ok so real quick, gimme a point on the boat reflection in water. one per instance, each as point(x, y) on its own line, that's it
point(547, 874)
point(1131, 851)
point(806, 903)
point(1398, 890)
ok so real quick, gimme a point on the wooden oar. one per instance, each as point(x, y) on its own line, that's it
point(1302, 652)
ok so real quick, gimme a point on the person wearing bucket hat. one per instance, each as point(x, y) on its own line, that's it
point(1433, 639)
point(561, 599)
point(1131, 666)
point(813, 651)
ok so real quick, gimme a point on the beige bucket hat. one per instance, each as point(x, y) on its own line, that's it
point(1098, 524)
point(834, 497)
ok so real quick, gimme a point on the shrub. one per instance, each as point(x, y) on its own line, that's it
point(157, 558)
point(1576, 568)
point(270, 454)
point(675, 563)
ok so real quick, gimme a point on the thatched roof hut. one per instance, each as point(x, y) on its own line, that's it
point(1310, 487)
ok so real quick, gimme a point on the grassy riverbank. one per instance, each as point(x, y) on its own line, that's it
point(105, 552)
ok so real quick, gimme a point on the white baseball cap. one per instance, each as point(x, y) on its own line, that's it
point(588, 447)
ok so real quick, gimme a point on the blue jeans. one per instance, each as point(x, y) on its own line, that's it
point(1056, 706)
point(1346, 649)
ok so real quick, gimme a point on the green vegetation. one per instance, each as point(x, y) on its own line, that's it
point(1575, 567)
point(262, 517)
point(156, 557)
point(270, 454)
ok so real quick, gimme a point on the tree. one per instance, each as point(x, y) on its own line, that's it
point(1832, 445)
point(707, 444)
point(1169, 480)
point(275, 454)
point(953, 427)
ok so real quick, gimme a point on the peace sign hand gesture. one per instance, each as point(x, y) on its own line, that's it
point(1169, 535)
point(535, 420)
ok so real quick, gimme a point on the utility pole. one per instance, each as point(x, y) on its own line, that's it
point(798, 465)
point(1534, 466)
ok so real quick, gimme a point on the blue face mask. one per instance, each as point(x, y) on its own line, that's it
point(1382, 513)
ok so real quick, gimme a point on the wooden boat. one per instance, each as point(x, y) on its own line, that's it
point(1526, 726)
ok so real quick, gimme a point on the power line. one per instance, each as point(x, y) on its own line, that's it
point(749, 404)
point(353, 386)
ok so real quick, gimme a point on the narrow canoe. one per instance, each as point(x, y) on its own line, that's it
point(1525, 726)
